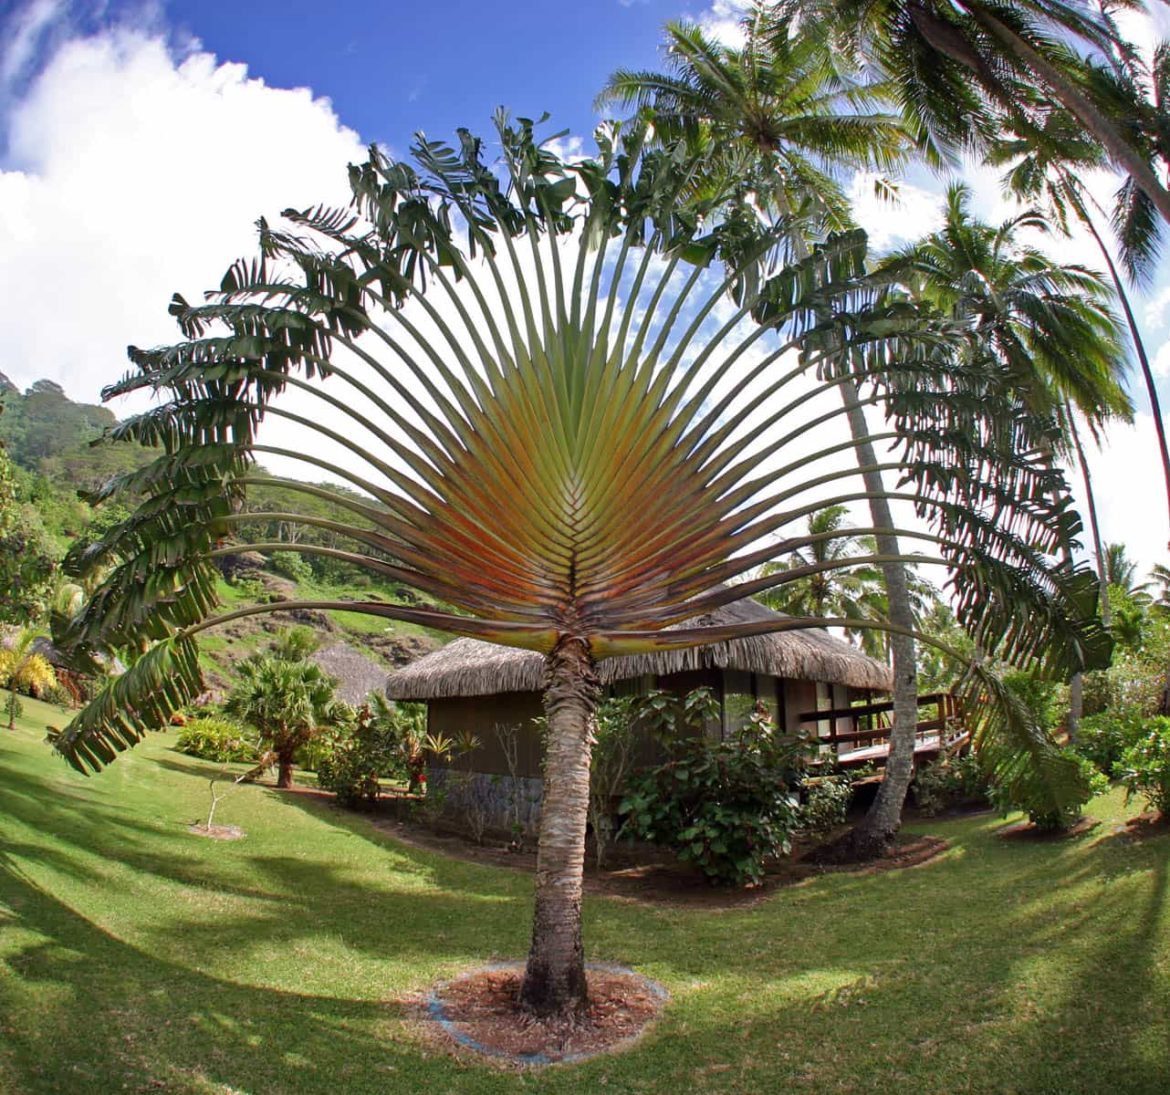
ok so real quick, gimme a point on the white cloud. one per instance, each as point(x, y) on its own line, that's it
point(914, 212)
point(1130, 491)
point(1160, 366)
point(132, 175)
point(721, 21)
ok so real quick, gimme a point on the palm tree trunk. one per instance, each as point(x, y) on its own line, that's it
point(284, 776)
point(1139, 346)
point(554, 981)
point(1094, 523)
point(875, 833)
point(1076, 103)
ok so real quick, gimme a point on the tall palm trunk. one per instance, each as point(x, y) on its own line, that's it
point(1074, 101)
point(1094, 522)
point(284, 771)
point(554, 981)
point(1139, 346)
point(875, 833)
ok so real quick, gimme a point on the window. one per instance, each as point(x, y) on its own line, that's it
point(738, 700)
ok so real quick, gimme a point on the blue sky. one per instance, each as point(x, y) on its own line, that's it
point(140, 140)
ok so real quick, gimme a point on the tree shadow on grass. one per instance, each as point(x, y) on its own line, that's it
point(85, 1011)
point(402, 913)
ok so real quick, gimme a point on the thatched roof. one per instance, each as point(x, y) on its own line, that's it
point(469, 667)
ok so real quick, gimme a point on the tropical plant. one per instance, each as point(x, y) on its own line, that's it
point(783, 116)
point(1105, 737)
point(213, 737)
point(857, 592)
point(1044, 816)
point(1049, 325)
point(389, 741)
point(1047, 171)
point(24, 669)
point(950, 781)
point(1144, 767)
point(288, 700)
point(1121, 571)
point(559, 440)
point(965, 70)
point(609, 766)
point(726, 806)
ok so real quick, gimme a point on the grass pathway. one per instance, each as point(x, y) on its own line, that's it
point(134, 956)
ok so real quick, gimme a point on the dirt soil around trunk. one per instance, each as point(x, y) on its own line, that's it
point(653, 877)
point(218, 832)
point(479, 1013)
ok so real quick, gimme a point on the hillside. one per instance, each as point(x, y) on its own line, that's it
point(59, 459)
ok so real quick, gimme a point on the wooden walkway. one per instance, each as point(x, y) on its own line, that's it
point(859, 735)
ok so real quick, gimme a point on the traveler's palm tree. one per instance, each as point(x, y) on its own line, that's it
point(564, 436)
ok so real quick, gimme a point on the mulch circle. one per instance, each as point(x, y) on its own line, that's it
point(479, 1012)
point(218, 832)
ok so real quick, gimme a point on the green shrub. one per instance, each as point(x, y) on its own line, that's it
point(825, 804)
point(1104, 737)
point(317, 751)
point(950, 782)
point(217, 738)
point(380, 746)
point(1144, 768)
point(292, 564)
point(1033, 797)
point(58, 694)
point(726, 806)
point(1042, 697)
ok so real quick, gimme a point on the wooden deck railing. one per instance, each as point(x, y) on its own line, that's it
point(868, 735)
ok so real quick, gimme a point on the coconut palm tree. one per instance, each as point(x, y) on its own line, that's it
point(1050, 325)
point(1047, 171)
point(780, 113)
point(856, 592)
point(964, 68)
point(561, 433)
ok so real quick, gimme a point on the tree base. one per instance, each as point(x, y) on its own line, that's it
point(480, 1012)
point(859, 845)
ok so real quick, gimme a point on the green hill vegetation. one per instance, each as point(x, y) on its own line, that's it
point(54, 459)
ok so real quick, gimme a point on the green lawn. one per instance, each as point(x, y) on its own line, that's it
point(134, 956)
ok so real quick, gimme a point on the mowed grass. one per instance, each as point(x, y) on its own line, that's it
point(135, 956)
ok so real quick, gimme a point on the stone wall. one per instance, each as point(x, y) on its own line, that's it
point(486, 802)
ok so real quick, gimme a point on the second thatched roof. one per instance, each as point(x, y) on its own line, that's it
point(470, 667)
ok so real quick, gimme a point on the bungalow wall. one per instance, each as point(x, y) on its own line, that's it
point(739, 692)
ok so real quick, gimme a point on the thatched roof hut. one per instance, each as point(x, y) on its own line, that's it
point(470, 667)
